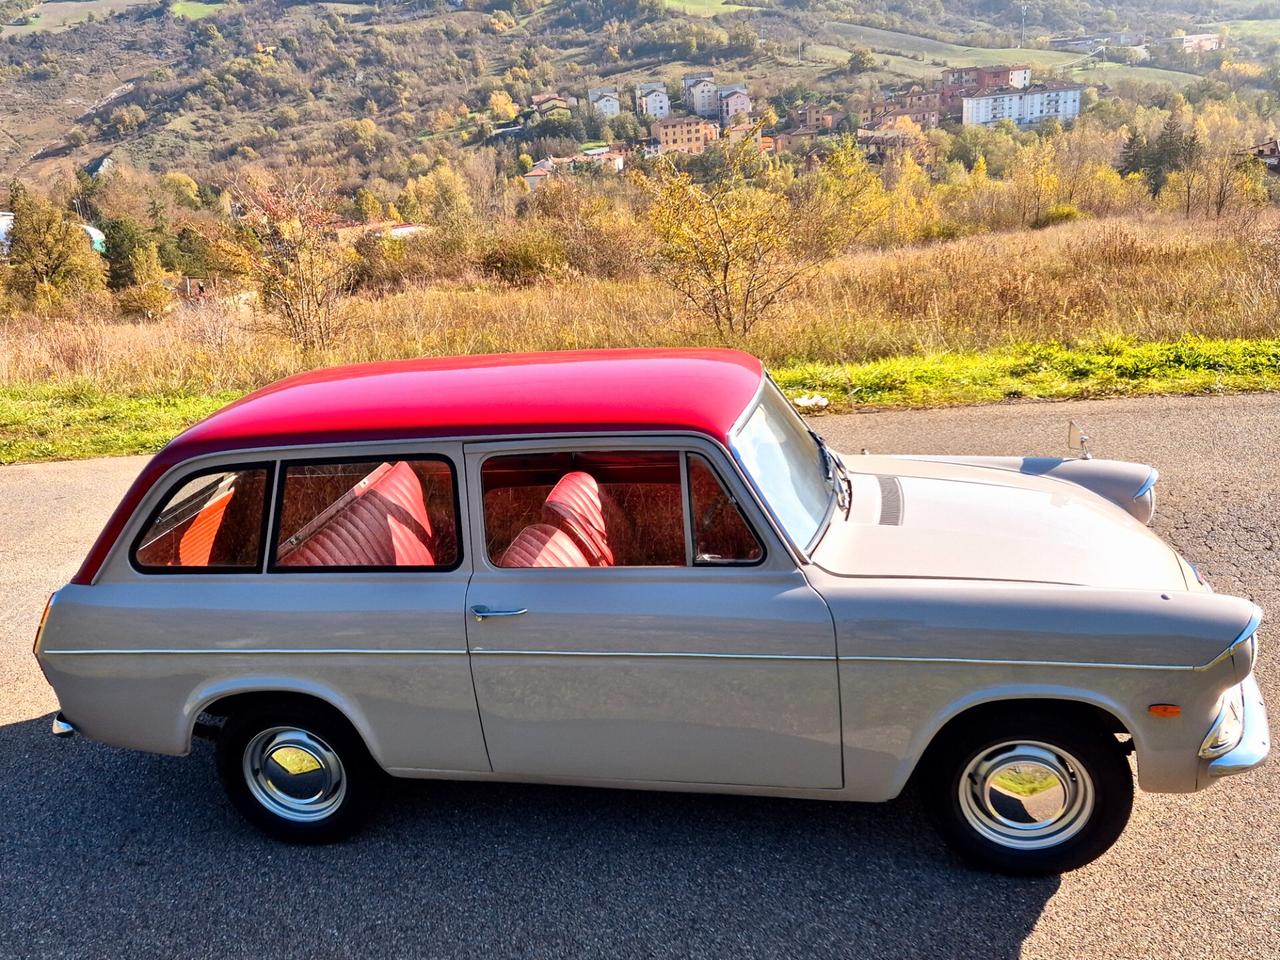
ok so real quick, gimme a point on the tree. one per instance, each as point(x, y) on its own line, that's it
point(861, 60)
point(368, 206)
point(736, 249)
point(502, 106)
point(50, 255)
point(285, 245)
point(150, 293)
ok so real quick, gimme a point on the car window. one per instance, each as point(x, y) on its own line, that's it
point(591, 508)
point(721, 533)
point(785, 463)
point(618, 508)
point(368, 514)
point(211, 522)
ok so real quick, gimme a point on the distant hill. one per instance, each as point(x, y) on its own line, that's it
point(374, 91)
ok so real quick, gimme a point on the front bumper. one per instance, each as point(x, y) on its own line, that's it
point(1255, 742)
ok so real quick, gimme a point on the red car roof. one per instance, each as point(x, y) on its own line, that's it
point(704, 391)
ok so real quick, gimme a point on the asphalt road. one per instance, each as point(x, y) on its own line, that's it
point(108, 853)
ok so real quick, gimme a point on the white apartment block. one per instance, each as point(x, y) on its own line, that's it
point(652, 99)
point(701, 96)
point(1024, 107)
point(732, 101)
point(604, 101)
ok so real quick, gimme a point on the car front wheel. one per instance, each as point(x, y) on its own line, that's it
point(298, 774)
point(1036, 795)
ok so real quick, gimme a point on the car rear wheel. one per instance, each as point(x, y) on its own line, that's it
point(297, 773)
point(1028, 793)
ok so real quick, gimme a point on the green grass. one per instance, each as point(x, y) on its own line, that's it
point(194, 9)
point(72, 422)
point(42, 422)
point(1251, 29)
point(901, 48)
point(1116, 368)
point(703, 8)
point(59, 14)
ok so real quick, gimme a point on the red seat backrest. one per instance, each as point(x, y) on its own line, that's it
point(196, 545)
point(574, 504)
point(542, 545)
point(380, 522)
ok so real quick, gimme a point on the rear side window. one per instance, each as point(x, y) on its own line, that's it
point(212, 523)
point(367, 515)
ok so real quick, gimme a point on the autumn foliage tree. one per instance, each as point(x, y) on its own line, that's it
point(285, 244)
point(738, 247)
point(50, 255)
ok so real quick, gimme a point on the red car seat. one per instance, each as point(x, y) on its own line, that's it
point(574, 505)
point(380, 522)
point(196, 545)
point(542, 545)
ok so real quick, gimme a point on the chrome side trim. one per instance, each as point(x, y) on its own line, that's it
point(1150, 482)
point(977, 661)
point(651, 655)
point(252, 651)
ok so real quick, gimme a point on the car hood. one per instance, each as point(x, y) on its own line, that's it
point(912, 518)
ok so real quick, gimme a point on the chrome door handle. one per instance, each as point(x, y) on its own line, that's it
point(484, 613)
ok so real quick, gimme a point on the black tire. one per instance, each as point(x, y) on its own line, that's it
point(316, 732)
point(1096, 766)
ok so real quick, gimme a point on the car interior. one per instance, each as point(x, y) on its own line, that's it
point(368, 515)
point(608, 508)
point(556, 509)
point(214, 520)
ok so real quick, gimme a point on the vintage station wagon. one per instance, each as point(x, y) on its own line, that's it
point(642, 569)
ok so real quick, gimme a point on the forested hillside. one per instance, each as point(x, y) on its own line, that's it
point(363, 89)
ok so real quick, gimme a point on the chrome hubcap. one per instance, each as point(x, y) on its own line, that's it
point(1026, 795)
point(294, 774)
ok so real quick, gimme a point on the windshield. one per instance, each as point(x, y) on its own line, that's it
point(787, 465)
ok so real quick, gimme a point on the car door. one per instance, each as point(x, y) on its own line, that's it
point(664, 664)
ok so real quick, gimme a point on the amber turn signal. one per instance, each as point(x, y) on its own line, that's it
point(1164, 710)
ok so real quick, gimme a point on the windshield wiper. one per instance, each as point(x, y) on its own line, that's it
point(837, 476)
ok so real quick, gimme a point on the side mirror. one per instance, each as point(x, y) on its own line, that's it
point(1078, 441)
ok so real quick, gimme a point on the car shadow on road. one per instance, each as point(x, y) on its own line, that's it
point(109, 852)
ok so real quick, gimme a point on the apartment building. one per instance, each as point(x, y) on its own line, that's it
point(1024, 106)
point(987, 78)
point(652, 99)
point(700, 94)
point(604, 101)
point(732, 102)
point(684, 134)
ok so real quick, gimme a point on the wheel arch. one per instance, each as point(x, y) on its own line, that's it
point(229, 698)
point(1108, 716)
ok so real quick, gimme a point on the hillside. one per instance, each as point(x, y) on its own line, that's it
point(375, 90)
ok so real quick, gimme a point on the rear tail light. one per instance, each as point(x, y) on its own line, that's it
point(35, 647)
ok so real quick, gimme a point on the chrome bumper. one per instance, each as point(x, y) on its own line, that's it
point(61, 726)
point(1254, 744)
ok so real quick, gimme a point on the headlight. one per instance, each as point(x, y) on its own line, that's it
point(1228, 728)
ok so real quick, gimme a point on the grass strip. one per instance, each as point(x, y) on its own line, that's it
point(72, 421)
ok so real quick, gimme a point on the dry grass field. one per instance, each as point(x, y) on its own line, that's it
point(1085, 309)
